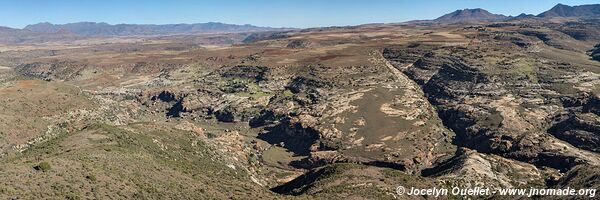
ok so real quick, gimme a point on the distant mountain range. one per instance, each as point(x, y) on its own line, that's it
point(44, 32)
point(104, 29)
point(561, 10)
point(481, 15)
point(13, 36)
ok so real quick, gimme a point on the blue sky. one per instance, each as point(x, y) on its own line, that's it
point(275, 13)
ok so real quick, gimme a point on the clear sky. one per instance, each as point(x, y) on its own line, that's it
point(274, 13)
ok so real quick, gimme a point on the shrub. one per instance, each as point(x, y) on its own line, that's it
point(43, 166)
point(91, 178)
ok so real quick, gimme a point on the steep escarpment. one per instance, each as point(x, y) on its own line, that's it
point(468, 167)
point(595, 52)
point(580, 176)
point(579, 125)
point(502, 107)
point(585, 30)
point(365, 182)
point(580, 130)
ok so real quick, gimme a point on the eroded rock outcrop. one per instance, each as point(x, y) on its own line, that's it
point(495, 115)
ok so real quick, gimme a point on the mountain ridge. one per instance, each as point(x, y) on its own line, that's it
point(475, 15)
point(469, 15)
point(562, 10)
point(105, 29)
